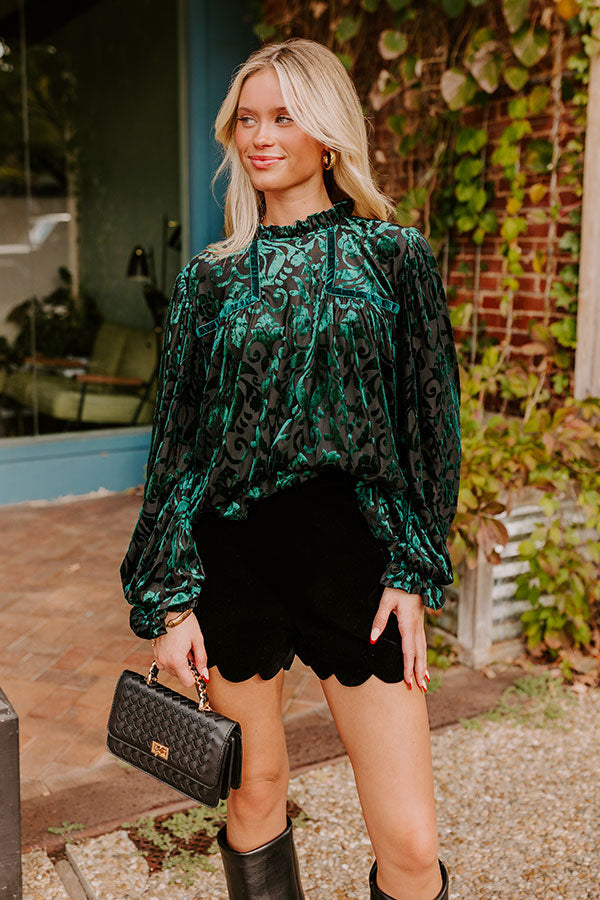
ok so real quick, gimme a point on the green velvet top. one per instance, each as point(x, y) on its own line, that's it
point(326, 343)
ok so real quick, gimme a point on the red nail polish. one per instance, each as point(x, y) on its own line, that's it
point(427, 677)
point(410, 685)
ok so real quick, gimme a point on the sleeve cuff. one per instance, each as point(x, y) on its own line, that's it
point(432, 595)
point(148, 622)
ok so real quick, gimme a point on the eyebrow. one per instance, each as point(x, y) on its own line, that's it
point(274, 109)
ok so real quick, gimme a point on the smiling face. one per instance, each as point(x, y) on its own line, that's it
point(274, 151)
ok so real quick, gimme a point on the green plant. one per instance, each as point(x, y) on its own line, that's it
point(65, 828)
point(441, 654)
point(183, 842)
point(63, 324)
point(538, 701)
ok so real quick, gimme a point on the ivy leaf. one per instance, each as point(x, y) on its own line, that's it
point(392, 43)
point(458, 88)
point(538, 156)
point(470, 140)
point(538, 216)
point(527, 548)
point(468, 169)
point(478, 200)
point(512, 227)
point(516, 77)
point(514, 12)
point(570, 242)
point(568, 9)
point(465, 223)
point(530, 45)
point(513, 205)
point(569, 274)
point(538, 99)
point(477, 40)
point(464, 192)
point(345, 60)
point(486, 66)
point(347, 28)
point(505, 155)
point(537, 192)
point(410, 68)
point(489, 221)
point(538, 262)
point(396, 122)
point(517, 108)
point(454, 8)
point(263, 31)
point(565, 331)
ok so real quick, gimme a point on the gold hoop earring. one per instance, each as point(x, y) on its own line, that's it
point(331, 160)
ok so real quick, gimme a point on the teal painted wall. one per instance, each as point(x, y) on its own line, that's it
point(220, 38)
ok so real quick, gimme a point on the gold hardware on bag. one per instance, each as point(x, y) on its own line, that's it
point(160, 750)
point(152, 677)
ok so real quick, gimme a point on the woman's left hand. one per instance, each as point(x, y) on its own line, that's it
point(410, 613)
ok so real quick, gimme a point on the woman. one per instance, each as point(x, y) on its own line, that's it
point(303, 470)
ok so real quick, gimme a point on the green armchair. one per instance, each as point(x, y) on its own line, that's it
point(119, 386)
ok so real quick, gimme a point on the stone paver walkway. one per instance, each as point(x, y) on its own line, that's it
point(66, 637)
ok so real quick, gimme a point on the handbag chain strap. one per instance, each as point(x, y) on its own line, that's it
point(199, 680)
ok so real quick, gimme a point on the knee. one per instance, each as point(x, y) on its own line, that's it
point(259, 794)
point(410, 850)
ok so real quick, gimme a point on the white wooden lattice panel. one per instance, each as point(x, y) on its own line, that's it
point(481, 609)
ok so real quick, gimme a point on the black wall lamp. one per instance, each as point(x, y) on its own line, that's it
point(141, 267)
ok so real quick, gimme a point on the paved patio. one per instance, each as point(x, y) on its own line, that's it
point(66, 636)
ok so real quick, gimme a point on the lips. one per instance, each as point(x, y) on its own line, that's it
point(265, 162)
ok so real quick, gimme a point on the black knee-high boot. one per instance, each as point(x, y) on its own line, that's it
point(269, 872)
point(378, 894)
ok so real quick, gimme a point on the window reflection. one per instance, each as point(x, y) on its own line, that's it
point(89, 170)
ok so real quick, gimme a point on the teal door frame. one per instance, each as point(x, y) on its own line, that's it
point(219, 38)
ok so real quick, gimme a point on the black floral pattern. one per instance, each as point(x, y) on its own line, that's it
point(326, 343)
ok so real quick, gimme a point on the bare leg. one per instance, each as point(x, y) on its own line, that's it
point(385, 730)
point(256, 811)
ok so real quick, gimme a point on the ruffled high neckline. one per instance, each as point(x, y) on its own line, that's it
point(340, 210)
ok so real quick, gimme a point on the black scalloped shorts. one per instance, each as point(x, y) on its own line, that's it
point(300, 575)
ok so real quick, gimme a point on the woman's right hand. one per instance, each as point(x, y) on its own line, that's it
point(182, 642)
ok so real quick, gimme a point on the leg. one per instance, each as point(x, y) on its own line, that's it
point(256, 811)
point(385, 730)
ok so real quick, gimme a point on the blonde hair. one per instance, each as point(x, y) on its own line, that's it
point(321, 96)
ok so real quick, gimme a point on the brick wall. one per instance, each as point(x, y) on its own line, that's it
point(531, 300)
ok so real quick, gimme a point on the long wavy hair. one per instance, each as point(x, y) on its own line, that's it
point(321, 96)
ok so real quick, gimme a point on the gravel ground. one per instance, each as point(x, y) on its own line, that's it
point(40, 881)
point(518, 808)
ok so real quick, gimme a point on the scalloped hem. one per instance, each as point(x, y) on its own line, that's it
point(230, 673)
point(355, 679)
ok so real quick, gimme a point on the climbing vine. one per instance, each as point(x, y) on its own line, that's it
point(480, 112)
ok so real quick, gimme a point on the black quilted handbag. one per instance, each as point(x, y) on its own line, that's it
point(188, 746)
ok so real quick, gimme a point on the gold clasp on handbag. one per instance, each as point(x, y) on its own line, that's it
point(203, 703)
point(160, 750)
